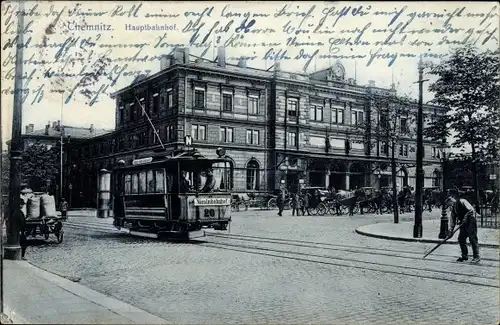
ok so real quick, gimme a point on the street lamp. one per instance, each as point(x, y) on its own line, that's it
point(417, 228)
point(443, 229)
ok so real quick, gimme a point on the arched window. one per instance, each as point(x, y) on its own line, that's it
point(252, 175)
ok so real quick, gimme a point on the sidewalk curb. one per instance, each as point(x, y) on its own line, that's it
point(118, 307)
point(418, 240)
point(13, 316)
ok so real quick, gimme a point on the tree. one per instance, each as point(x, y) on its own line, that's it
point(390, 122)
point(468, 88)
point(40, 165)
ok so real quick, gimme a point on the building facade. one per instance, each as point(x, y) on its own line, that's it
point(278, 128)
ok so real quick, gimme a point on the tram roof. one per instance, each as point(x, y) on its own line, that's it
point(191, 159)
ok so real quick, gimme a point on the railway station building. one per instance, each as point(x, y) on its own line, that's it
point(278, 128)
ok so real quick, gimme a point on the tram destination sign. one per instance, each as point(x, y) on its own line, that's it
point(211, 201)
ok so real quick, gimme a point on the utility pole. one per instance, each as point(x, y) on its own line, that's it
point(61, 130)
point(417, 228)
point(14, 222)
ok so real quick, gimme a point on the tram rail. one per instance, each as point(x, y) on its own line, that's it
point(421, 272)
point(329, 246)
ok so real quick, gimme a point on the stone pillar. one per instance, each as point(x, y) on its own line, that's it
point(348, 181)
point(327, 178)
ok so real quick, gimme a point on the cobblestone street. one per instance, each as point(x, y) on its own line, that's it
point(272, 269)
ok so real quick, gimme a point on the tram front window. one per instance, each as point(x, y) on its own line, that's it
point(207, 180)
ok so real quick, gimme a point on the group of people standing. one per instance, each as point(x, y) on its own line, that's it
point(296, 203)
point(299, 202)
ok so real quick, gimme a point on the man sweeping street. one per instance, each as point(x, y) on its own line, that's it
point(463, 213)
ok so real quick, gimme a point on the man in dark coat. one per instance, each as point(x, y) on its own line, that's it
point(280, 201)
point(23, 241)
point(463, 213)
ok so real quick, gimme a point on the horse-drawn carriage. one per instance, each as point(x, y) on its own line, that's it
point(315, 200)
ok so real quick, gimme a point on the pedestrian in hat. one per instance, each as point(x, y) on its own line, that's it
point(463, 213)
point(280, 200)
point(23, 241)
point(63, 207)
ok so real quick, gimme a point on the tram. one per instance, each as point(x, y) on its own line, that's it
point(172, 197)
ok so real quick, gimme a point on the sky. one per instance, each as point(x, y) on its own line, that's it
point(331, 20)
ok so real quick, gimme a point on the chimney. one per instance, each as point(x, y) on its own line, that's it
point(277, 66)
point(242, 63)
point(371, 83)
point(27, 129)
point(221, 56)
point(186, 55)
point(92, 129)
point(31, 128)
point(165, 62)
point(47, 127)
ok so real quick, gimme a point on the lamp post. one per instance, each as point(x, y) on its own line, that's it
point(443, 229)
point(12, 249)
point(417, 228)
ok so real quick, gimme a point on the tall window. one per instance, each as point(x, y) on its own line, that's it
point(170, 133)
point(384, 121)
point(404, 125)
point(357, 118)
point(199, 98)
point(226, 134)
point(132, 111)
point(338, 116)
point(253, 137)
point(403, 150)
point(252, 175)
point(253, 105)
point(435, 152)
point(384, 149)
point(170, 98)
point(291, 138)
point(293, 108)
point(121, 113)
point(199, 132)
point(227, 102)
point(156, 102)
point(316, 113)
point(142, 106)
point(436, 178)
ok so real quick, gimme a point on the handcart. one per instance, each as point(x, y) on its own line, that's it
point(41, 216)
point(45, 226)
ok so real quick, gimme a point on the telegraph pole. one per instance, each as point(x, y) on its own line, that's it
point(417, 228)
point(62, 150)
point(14, 222)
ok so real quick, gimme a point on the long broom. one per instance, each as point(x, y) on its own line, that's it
point(442, 242)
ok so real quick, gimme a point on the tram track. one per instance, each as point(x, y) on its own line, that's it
point(339, 247)
point(426, 273)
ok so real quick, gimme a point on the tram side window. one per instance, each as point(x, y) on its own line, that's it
point(151, 182)
point(128, 184)
point(135, 183)
point(160, 181)
point(142, 182)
